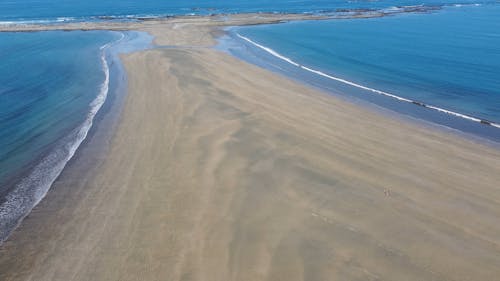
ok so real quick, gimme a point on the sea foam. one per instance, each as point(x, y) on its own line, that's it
point(353, 84)
point(33, 188)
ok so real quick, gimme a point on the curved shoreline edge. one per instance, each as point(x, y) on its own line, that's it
point(33, 187)
point(353, 84)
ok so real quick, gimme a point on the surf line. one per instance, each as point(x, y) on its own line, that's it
point(442, 110)
point(34, 187)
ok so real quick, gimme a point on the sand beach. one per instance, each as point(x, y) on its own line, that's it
point(220, 170)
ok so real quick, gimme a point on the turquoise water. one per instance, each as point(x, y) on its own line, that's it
point(51, 86)
point(449, 59)
point(63, 10)
point(47, 82)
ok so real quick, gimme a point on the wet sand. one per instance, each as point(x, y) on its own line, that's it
point(220, 170)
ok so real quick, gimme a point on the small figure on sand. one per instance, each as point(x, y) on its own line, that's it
point(387, 192)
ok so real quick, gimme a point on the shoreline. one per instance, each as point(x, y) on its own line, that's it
point(216, 23)
point(258, 177)
point(37, 178)
point(464, 125)
point(213, 20)
point(33, 183)
point(119, 22)
point(353, 84)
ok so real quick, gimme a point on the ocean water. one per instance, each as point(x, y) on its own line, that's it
point(51, 86)
point(447, 59)
point(71, 10)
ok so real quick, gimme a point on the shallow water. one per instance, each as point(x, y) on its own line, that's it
point(47, 83)
point(53, 86)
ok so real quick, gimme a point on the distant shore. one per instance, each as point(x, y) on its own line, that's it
point(138, 23)
point(214, 20)
point(220, 170)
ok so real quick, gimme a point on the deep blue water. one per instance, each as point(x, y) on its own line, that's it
point(54, 10)
point(449, 58)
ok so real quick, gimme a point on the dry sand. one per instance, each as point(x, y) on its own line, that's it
point(219, 170)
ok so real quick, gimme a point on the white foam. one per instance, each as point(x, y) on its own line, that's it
point(33, 188)
point(350, 83)
point(466, 5)
point(41, 21)
point(269, 50)
point(65, 19)
point(393, 9)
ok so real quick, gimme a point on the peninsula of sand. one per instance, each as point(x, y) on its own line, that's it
point(220, 170)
